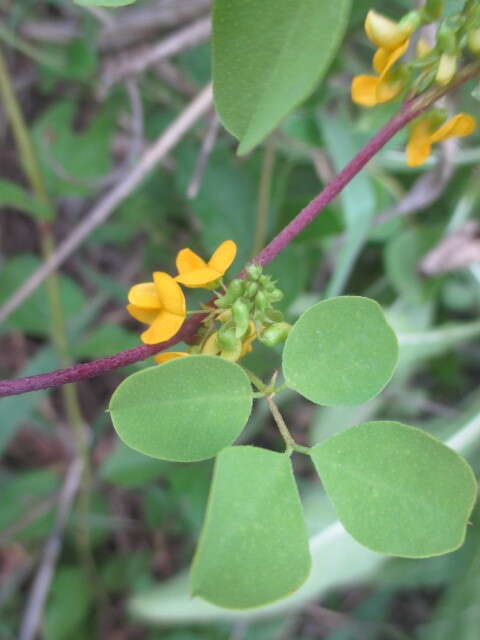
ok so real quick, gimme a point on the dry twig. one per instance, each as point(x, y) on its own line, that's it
point(129, 63)
point(152, 156)
point(41, 584)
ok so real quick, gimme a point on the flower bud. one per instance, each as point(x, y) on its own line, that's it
point(251, 289)
point(254, 271)
point(446, 39)
point(274, 315)
point(474, 41)
point(447, 67)
point(235, 288)
point(383, 32)
point(241, 317)
point(275, 334)
point(275, 296)
point(261, 302)
point(226, 339)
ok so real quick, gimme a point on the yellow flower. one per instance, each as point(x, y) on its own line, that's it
point(161, 304)
point(194, 272)
point(385, 33)
point(447, 68)
point(424, 135)
point(369, 91)
point(169, 355)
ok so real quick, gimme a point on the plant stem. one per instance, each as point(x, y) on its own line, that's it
point(264, 191)
point(57, 328)
point(408, 112)
point(281, 424)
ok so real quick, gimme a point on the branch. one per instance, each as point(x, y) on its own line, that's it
point(408, 112)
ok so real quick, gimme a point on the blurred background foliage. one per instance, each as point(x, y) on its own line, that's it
point(395, 234)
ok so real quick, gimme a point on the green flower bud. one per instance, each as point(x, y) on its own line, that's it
point(274, 315)
point(264, 280)
point(447, 67)
point(447, 39)
point(275, 334)
point(261, 301)
point(236, 288)
point(241, 317)
point(254, 271)
point(474, 41)
point(251, 289)
point(275, 296)
point(227, 341)
point(411, 21)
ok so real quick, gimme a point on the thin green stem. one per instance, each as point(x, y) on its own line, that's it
point(58, 332)
point(264, 192)
point(258, 382)
point(281, 424)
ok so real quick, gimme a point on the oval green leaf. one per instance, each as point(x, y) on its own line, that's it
point(254, 547)
point(396, 489)
point(340, 352)
point(185, 410)
point(268, 56)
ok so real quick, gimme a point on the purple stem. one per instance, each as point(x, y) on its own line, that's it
point(408, 112)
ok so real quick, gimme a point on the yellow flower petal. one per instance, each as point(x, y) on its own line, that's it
point(163, 328)
point(170, 294)
point(459, 126)
point(169, 355)
point(223, 257)
point(364, 90)
point(419, 144)
point(142, 315)
point(388, 91)
point(418, 153)
point(383, 32)
point(198, 278)
point(144, 295)
point(188, 260)
point(384, 59)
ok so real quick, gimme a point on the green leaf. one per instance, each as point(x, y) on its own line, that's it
point(396, 489)
point(185, 410)
point(14, 196)
point(341, 351)
point(253, 548)
point(268, 56)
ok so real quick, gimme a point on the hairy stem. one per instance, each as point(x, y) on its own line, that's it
point(408, 112)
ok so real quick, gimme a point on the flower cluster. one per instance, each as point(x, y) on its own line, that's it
point(241, 314)
point(429, 65)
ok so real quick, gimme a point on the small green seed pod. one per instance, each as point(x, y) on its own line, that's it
point(274, 315)
point(275, 334)
point(241, 317)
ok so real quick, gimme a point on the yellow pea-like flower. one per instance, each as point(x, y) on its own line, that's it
point(424, 134)
point(194, 272)
point(369, 91)
point(385, 33)
point(160, 304)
